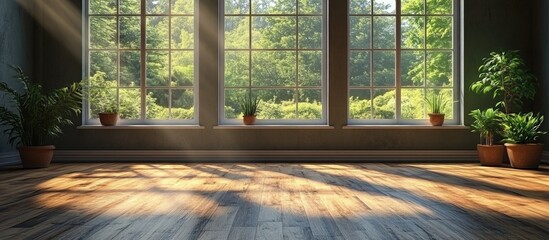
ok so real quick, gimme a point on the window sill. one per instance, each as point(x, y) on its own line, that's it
point(138, 127)
point(407, 127)
point(297, 127)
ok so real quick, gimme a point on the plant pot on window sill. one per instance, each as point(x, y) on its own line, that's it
point(249, 120)
point(436, 119)
point(108, 118)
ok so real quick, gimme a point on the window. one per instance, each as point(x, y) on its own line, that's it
point(141, 60)
point(274, 50)
point(401, 52)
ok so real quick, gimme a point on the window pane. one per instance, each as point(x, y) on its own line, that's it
point(273, 32)
point(359, 68)
point(360, 7)
point(276, 103)
point(273, 6)
point(384, 32)
point(182, 32)
point(157, 68)
point(439, 32)
point(384, 6)
point(384, 68)
point(182, 104)
point(130, 6)
point(273, 68)
point(102, 6)
point(439, 6)
point(130, 103)
point(412, 68)
point(412, 103)
point(310, 6)
point(103, 32)
point(237, 6)
point(310, 32)
point(157, 6)
point(360, 32)
point(106, 62)
point(237, 32)
point(448, 98)
point(309, 105)
point(237, 68)
point(413, 6)
point(182, 68)
point(413, 32)
point(130, 32)
point(183, 7)
point(310, 68)
point(439, 69)
point(158, 101)
point(130, 69)
point(360, 104)
point(384, 104)
point(233, 96)
point(158, 32)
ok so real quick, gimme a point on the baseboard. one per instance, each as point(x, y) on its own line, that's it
point(545, 157)
point(264, 156)
point(9, 158)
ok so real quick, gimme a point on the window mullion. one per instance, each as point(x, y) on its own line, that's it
point(398, 41)
point(143, 56)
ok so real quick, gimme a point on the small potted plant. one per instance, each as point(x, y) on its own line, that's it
point(521, 135)
point(436, 104)
point(102, 98)
point(487, 124)
point(32, 117)
point(249, 109)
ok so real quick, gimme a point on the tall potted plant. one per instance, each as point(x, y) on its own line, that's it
point(520, 134)
point(32, 117)
point(436, 104)
point(487, 124)
point(249, 109)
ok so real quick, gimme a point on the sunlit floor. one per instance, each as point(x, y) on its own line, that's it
point(274, 201)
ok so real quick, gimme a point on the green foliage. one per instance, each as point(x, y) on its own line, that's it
point(37, 115)
point(436, 103)
point(101, 93)
point(249, 105)
point(522, 128)
point(486, 123)
point(505, 75)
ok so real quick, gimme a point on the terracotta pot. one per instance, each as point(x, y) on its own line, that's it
point(249, 120)
point(436, 119)
point(108, 118)
point(36, 156)
point(525, 156)
point(490, 155)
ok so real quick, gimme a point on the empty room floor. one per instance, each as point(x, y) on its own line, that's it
point(274, 201)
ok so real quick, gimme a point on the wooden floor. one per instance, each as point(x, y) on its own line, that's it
point(274, 201)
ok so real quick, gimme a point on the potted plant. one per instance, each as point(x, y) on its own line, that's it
point(504, 74)
point(520, 134)
point(436, 104)
point(32, 117)
point(487, 124)
point(249, 109)
point(102, 98)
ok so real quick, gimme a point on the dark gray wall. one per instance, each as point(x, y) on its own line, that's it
point(490, 25)
point(16, 48)
point(541, 58)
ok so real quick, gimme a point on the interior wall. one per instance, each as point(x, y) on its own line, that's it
point(541, 58)
point(489, 25)
point(16, 48)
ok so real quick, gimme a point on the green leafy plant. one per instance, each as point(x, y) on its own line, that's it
point(436, 103)
point(486, 123)
point(249, 105)
point(504, 74)
point(31, 116)
point(100, 93)
point(522, 128)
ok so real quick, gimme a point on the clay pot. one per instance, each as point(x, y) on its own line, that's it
point(108, 118)
point(436, 119)
point(36, 156)
point(525, 156)
point(249, 120)
point(490, 155)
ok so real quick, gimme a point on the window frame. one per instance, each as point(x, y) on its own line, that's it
point(324, 65)
point(457, 87)
point(86, 117)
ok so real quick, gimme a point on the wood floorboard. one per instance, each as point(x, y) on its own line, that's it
point(274, 201)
